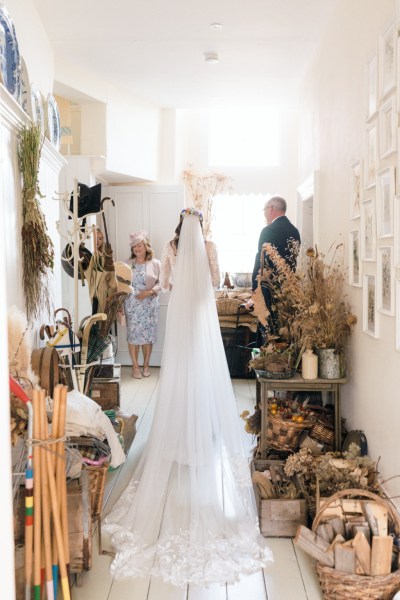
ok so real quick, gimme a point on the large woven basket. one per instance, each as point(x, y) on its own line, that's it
point(337, 585)
point(283, 434)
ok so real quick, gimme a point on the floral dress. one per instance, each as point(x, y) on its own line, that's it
point(141, 315)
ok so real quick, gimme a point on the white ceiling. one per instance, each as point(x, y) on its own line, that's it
point(155, 48)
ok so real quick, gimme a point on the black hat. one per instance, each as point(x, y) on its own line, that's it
point(89, 200)
point(67, 260)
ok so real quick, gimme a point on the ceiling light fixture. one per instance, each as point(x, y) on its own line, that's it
point(211, 57)
point(216, 26)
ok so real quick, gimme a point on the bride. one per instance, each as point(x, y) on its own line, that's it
point(188, 514)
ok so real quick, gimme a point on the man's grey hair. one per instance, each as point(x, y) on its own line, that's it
point(277, 202)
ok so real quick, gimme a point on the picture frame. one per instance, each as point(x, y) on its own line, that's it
point(355, 206)
point(385, 190)
point(355, 264)
point(397, 287)
point(396, 241)
point(388, 125)
point(387, 60)
point(372, 86)
point(368, 230)
point(385, 281)
point(370, 314)
point(371, 155)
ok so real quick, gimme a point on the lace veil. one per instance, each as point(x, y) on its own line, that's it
point(188, 514)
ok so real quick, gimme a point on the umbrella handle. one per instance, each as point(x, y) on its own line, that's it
point(103, 217)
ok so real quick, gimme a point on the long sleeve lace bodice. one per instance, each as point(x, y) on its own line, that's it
point(168, 260)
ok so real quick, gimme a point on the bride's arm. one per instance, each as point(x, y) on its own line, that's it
point(166, 258)
point(213, 262)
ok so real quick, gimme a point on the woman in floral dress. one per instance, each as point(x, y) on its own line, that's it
point(142, 307)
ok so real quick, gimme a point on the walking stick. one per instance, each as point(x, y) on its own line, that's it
point(61, 480)
point(37, 523)
point(45, 499)
point(57, 524)
point(55, 435)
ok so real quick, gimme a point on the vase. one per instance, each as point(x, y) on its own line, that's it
point(309, 365)
point(331, 363)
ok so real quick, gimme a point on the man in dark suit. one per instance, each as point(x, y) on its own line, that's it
point(283, 235)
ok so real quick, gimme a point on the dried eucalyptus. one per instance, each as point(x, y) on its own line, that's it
point(37, 247)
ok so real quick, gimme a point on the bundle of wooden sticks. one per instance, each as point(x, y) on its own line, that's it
point(46, 516)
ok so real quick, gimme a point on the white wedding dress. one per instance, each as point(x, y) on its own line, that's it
point(188, 514)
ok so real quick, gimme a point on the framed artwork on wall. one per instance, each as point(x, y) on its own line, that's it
point(355, 265)
point(396, 244)
point(370, 315)
point(370, 155)
point(387, 60)
point(355, 190)
point(397, 286)
point(385, 198)
point(368, 230)
point(385, 281)
point(372, 86)
point(388, 124)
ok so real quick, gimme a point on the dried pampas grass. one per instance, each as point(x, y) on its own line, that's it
point(20, 347)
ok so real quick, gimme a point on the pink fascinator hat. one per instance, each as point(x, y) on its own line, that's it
point(136, 238)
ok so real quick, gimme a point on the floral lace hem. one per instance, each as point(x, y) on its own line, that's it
point(179, 561)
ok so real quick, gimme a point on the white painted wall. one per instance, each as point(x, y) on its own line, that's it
point(332, 130)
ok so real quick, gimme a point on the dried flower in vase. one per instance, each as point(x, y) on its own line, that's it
point(202, 190)
point(310, 303)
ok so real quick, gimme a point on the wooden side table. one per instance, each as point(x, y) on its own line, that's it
point(298, 384)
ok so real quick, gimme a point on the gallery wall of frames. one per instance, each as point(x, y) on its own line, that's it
point(374, 237)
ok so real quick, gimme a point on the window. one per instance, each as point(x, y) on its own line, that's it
point(237, 223)
point(244, 138)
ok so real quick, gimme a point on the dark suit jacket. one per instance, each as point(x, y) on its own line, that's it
point(278, 234)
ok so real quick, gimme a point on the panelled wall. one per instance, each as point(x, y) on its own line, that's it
point(156, 210)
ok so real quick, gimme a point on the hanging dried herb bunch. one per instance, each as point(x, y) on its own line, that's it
point(37, 247)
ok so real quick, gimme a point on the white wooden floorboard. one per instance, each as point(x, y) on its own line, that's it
point(212, 592)
point(126, 589)
point(282, 577)
point(292, 576)
point(250, 587)
point(309, 575)
point(165, 591)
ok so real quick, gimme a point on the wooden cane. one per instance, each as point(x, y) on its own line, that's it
point(57, 527)
point(61, 473)
point(45, 498)
point(37, 523)
point(55, 449)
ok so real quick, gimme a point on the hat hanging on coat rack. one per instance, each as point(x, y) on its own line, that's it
point(89, 200)
point(67, 260)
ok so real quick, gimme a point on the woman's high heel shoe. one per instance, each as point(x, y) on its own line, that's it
point(136, 373)
point(146, 371)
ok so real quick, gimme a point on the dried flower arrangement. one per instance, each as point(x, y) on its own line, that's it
point(310, 303)
point(37, 247)
point(330, 473)
point(202, 190)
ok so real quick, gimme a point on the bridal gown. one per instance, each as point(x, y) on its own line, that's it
point(188, 514)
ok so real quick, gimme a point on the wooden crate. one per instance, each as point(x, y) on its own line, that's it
point(278, 518)
point(106, 390)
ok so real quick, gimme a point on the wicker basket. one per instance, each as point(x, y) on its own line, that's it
point(337, 585)
point(323, 431)
point(283, 434)
point(97, 480)
point(227, 306)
